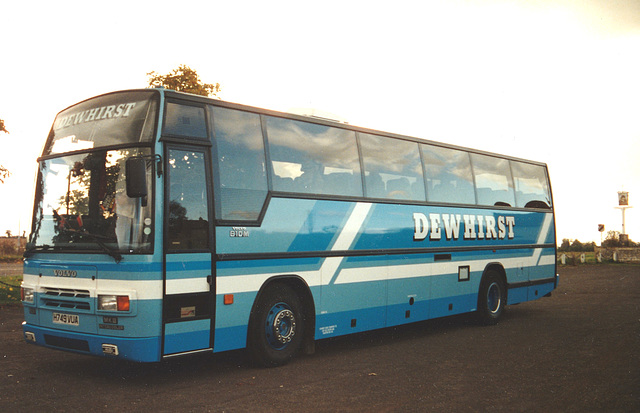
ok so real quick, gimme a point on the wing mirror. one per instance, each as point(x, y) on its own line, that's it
point(136, 173)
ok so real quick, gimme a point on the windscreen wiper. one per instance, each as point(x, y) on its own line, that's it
point(110, 251)
point(32, 250)
point(64, 226)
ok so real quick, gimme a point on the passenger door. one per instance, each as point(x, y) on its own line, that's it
point(189, 287)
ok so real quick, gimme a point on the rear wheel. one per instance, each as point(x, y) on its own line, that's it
point(492, 298)
point(277, 327)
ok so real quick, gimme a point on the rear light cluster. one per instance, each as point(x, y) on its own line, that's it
point(113, 303)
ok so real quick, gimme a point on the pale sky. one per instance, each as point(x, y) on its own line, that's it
point(552, 81)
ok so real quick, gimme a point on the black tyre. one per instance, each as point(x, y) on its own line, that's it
point(276, 330)
point(492, 298)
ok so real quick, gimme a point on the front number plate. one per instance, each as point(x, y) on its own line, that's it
point(67, 319)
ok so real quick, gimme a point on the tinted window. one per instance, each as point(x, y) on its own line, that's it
point(183, 120)
point(114, 119)
point(449, 177)
point(314, 159)
point(493, 180)
point(532, 190)
point(188, 204)
point(392, 168)
point(242, 178)
point(82, 203)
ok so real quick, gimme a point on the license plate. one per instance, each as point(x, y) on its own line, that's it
point(67, 319)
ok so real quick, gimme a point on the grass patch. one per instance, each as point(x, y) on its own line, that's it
point(573, 258)
point(10, 258)
point(10, 289)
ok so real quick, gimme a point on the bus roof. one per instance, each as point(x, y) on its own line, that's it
point(321, 120)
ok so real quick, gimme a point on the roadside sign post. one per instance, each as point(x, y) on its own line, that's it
point(623, 204)
point(601, 230)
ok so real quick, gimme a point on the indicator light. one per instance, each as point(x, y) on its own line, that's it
point(27, 295)
point(113, 303)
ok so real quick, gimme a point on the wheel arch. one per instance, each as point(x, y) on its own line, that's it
point(499, 269)
point(303, 291)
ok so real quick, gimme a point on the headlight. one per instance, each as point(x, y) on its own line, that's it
point(113, 303)
point(27, 295)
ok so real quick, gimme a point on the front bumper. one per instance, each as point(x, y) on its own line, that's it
point(145, 349)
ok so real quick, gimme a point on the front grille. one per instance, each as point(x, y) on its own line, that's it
point(66, 292)
point(66, 305)
point(66, 299)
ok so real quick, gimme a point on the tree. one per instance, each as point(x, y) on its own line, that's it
point(184, 79)
point(612, 240)
point(4, 172)
point(576, 246)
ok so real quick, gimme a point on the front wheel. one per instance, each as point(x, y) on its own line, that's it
point(277, 326)
point(492, 298)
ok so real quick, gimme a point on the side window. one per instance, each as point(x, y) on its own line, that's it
point(241, 177)
point(313, 159)
point(188, 201)
point(392, 168)
point(532, 189)
point(449, 177)
point(184, 120)
point(494, 184)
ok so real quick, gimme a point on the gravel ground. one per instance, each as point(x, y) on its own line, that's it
point(576, 351)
